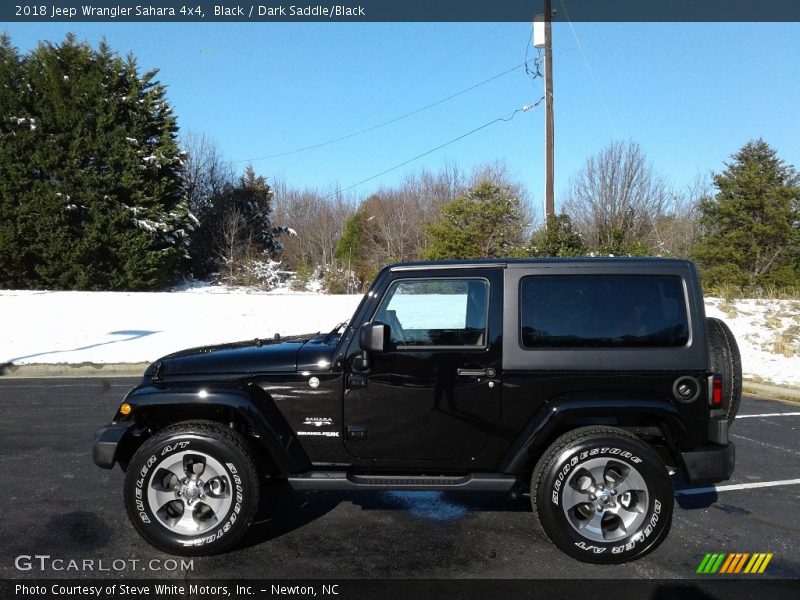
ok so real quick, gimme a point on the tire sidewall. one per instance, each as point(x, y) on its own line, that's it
point(724, 358)
point(660, 501)
point(144, 465)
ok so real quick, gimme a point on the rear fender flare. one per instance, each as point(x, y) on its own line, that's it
point(555, 416)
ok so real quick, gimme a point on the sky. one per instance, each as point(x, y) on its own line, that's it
point(691, 94)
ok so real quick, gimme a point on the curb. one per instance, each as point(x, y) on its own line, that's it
point(44, 370)
point(771, 391)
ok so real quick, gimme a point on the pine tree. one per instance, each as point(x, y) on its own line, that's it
point(16, 141)
point(487, 221)
point(236, 225)
point(97, 201)
point(351, 250)
point(560, 238)
point(751, 227)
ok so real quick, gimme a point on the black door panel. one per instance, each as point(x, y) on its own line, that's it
point(426, 397)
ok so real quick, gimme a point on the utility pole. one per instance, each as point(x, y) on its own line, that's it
point(542, 31)
point(549, 202)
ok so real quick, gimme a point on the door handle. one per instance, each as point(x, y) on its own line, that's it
point(356, 381)
point(472, 372)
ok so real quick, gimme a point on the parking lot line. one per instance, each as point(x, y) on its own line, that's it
point(784, 414)
point(735, 486)
point(765, 444)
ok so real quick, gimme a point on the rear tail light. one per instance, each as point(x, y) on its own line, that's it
point(716, 391)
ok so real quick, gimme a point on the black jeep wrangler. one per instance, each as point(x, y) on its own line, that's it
point(589, 382)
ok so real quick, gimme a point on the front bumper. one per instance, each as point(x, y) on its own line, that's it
point(709, 464)
point(107, 441)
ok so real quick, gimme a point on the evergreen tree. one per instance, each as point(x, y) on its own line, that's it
point(91, 172)
point(560, 238)
point(236, 224)
point(751, 227)
point(16, 141)
point(487, 221)
point(617, 243)
point(351, 250)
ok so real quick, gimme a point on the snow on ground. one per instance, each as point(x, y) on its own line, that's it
point(122, 327)
point(768, 334)
point(126, 327)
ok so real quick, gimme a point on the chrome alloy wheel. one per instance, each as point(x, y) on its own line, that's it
point(189, 492)
point(605, 500)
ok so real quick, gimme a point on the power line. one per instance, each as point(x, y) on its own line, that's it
point(589, 69)
point(385, 123)
point(417, 81)
point(524, 108)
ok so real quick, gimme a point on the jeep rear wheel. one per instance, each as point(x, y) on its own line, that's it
point(602, 495)
point(192, 489)
point(724, 358)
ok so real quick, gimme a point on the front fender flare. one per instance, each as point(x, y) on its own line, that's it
point(253, 405)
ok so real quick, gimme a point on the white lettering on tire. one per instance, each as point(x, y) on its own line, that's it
point(575, 461)
point(237, 508)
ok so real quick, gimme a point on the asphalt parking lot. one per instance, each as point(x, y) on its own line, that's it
point(56, 502)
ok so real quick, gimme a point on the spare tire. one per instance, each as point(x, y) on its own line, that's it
point(724, 358)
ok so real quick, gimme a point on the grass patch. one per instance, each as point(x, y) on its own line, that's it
point(730, 292)
point(772, 321)
point(725, 291)
point(729, 310)
point(787, 342)
point(778, 293)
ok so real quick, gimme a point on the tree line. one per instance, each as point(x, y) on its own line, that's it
point(100, 190)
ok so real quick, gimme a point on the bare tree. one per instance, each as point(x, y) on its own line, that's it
point(317, 219)
point(678, 229)
point(233, 240)
point(617, 199)
point(206, 173)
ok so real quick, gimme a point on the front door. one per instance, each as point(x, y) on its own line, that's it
point(435, 393)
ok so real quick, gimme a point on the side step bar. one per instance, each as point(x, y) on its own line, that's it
point(339, 480)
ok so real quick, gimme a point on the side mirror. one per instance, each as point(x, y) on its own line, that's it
point(374, 337)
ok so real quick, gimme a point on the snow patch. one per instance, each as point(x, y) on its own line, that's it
point(768, 335)
point(125, 327)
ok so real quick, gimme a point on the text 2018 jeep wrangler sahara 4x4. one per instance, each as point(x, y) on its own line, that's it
point(580, 379)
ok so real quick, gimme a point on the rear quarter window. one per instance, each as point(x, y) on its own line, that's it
point(603, 311)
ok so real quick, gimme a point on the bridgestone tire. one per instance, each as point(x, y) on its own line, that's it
point(724, 358)
point(201, 467)
point(621, 519)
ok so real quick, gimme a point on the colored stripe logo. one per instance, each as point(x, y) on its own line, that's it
point(734, 563)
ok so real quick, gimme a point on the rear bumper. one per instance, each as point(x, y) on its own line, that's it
point(106, 443)
point(709, 464)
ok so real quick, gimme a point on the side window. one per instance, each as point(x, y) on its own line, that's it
point(436, 312)
point(603, 311)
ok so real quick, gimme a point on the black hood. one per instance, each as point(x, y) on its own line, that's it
point(251, 356)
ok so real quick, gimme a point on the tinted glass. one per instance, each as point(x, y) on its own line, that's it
point(602, 311)
point(436, 312)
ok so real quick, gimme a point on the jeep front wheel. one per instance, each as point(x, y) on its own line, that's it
point(602, 495)
point(192, 489)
